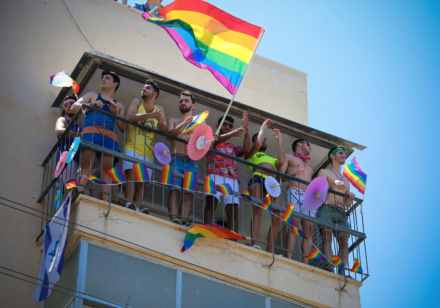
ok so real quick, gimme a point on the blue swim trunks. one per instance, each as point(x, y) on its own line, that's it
point(179, 164)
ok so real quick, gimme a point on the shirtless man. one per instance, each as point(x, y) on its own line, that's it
point(180, 161)
point(296, 165)
point(334, 209)
point(256, 185)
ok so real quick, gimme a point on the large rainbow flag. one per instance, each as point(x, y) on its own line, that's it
point(355, 175)
point(211, 38)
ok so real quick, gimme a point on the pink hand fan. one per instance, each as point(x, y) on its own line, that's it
point(315, 194)
point(200, 142)
point(61, 164)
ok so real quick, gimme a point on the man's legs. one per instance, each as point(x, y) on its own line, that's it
point(290, 239)
point(87, 160)
point(255, 190)
point(271, 238)
point(138, 188)
point(173, 204)
point(105, 166)
point(231, 214)
point(211, 206)
point(305, 244)
point(186, 206)
point(343, 246)
point(326, 234)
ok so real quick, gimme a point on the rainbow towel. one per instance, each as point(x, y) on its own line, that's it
point(355, 175)
point(190, 181)
point(246, 195)
point(196, 122)
point(117, 175)
point(211, 38)
point(96, 180)
point(63, 79)
point(267, 203)
point(209, 186)
point(315, 254)
point(141, 173)
point(336, 261)
point(225, 189)
point(167, 175)
point(298, 232)
point(288, 214)
point(357, 267)
point(209, 231)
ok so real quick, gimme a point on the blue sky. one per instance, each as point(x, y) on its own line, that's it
point(373, 79)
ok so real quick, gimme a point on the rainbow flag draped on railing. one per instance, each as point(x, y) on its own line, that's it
point(211, 38)
point(355, 175)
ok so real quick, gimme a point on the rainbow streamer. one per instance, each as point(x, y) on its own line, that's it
point(357, 267)
point(246, 195)
point(298, 232)
point(117, 175)
point(96, 180)
point(315, 254)
point(167, 175)
point(209, 186)
point(355, 175)
point(196, 122)
point(63, 79)
point(141, 173)
point(267, 203)
point(225, 189)
point(211, 231)
point(190, 181)
point(336, 261)
point(288, 214)
point(211, 38)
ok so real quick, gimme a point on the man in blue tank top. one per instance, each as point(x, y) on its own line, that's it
point(100, 129)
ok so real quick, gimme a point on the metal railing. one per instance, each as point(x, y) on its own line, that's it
point(155, 198)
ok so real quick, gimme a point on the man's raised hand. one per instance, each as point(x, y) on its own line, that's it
point(113, 107)
point(245, 120)
point(277, 134)
point(239, 132)
point(98, 104)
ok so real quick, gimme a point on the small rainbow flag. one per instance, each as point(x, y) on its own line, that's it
point(62, 79)
point(96, 180)
point(190, 181)
point(246, 195)
point(117, 175)
point(198, 119)
point(336, 261)
point(298, 232)
point(74, 183)
point(357, 267)
point(288, 214)
point(209, 186)
point(225, 189)
point(355, 175)
point(167, 175)
point(315, 254)
point(267, 203)
point(141, 173)
point(209, 231)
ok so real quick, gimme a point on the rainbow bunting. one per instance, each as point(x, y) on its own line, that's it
point(357, 267)
point(167, 175)
point(74, 183)
point(336, 261)
point(246, 195)
point(190, 181)
point(96, 180)
point(288, 214)
point(63, 79)
point(298, 232)
point(141, 173)
point(225, 189)
point(209, 186)
point(209, 231)
point(315, 254)
point(267, 203)
point(117, 175)
point(198, 119)
point(355, 175)
point(211, 38)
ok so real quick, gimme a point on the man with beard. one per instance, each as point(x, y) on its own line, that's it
point(257, 186)
point(334, 209)
point(296, 165)
point(223, 170)
point(180, 161)
point(140, 142)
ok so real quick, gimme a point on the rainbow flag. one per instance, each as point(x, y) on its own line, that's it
point(246, 195)
point(298, 232)
point(288, 214)
point(357, 267)
point(96, 180)
point(211, 38)
point(315, 254)
point(267, 203)
point(198, 119)
point(190, 181)
point(74, 183)
point(167, 175)
point(63, 79)
point(209, 231)
point(355, 175)
point(225, 189)
point(209, 186)
point(336, 261)
point(141, 173)
point(117, 175)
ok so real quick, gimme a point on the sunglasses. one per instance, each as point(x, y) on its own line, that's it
point(226, 125)
point(306, 142)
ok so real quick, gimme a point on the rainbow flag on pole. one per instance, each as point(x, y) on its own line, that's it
point(117, 175)
point(190, 181)
point(315, 254)
point(288, 214)
point(355, 175)
point(211, 38)
point(62, 79)
point(357, 267)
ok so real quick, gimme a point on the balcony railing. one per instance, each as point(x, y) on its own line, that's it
point(155, 197)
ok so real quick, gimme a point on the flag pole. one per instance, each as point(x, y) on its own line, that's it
point(233, 97)
point(75, 93)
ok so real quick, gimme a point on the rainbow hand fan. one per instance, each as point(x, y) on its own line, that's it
point(61, 164)
point(73, 150)
point(197, 120)
point(315, 194)
point(200, 142)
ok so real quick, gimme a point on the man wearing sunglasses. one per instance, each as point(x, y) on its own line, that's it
point(223, 170)
point(297, 165)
